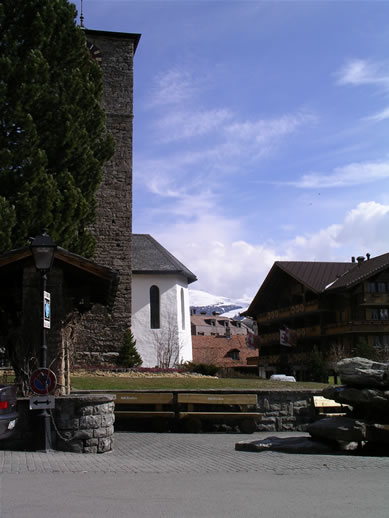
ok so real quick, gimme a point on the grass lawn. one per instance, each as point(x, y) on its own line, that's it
point(158, 383)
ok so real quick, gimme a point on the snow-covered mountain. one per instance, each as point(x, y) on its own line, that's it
point(203, 301)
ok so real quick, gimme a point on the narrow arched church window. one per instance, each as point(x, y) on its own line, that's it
point(154, 307)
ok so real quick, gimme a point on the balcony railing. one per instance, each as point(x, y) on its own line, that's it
point(357, 326)
point(290, 311)
point(304, 332)
point(373, 299)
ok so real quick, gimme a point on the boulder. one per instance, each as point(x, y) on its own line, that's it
point(286, 445)
point(342, 429)
point(361, 372)
point(366, 402)
point(378, 433)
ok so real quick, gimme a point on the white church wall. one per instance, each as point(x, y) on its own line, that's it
point(170, 287)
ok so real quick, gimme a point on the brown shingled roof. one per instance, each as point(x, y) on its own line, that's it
point(361, 271)
point(314, 275)
point(317, 276)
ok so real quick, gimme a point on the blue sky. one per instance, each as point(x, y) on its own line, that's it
point(260, 131)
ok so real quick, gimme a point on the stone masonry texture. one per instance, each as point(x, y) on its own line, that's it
point(101, 331)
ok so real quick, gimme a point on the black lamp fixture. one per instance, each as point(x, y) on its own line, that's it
point(43, 250)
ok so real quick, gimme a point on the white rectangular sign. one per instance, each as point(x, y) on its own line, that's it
point(42, 402)
point(46, 310)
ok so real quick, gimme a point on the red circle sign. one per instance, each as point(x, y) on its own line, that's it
point(43, 381)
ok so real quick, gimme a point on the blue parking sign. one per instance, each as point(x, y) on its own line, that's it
point(46, 310)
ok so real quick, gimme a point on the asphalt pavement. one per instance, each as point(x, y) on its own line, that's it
point(191, 476)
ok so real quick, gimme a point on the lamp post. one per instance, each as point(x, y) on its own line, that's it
point(43, 251)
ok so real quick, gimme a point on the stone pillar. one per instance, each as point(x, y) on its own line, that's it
point(84, 423)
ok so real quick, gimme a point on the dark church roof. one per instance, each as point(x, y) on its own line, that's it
point(149, 257)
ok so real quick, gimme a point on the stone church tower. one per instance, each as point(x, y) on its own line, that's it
point(101, 332)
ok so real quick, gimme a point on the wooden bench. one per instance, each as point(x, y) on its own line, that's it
point(240, 409)
point(138, 405)
point(328, 407)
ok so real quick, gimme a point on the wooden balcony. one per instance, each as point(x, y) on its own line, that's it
point(289, 312)
point(304, 332)
point(374, 299)
point(357, 326)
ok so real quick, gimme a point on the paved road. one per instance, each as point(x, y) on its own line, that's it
point(191, 476)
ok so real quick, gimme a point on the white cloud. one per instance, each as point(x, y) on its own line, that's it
point(364, 229)
point(225, 264)
point(380, 116)
point(233, 268)
point(348, 175)
point(174, 86)
point(359, 72)
point(179, 125)
point(231, 149)
point(264, 130)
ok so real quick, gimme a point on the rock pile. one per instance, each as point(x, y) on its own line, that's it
point(365, 390)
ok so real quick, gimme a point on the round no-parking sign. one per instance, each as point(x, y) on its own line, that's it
point(43, 381)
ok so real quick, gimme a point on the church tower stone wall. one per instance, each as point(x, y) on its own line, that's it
point(101, 331)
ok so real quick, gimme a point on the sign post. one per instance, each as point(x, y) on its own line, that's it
point(43, 382)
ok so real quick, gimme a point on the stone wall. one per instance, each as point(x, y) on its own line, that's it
point(82, 423)
point(101, 330)
point(286, 410)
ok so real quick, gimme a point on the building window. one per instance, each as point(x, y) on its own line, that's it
point(371, 287)
point(154, 307)
point(374, 315)
point(233, 354)
point(182, 309)
point(379, 314)
point(381, 341)
point(381, 287)
point(384, 314)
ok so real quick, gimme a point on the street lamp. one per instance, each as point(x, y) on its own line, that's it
point(43, 250)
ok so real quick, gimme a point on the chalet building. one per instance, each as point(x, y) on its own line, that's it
point(216, 325)
point(335, 306)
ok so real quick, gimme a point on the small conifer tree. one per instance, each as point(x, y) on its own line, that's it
point(128, 354)
point(317, 366)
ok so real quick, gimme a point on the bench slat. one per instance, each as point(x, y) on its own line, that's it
point(218, 399)
point(328, 407)
point(320, 401)
point(135, 398)
point(226, 415)
point(144, 414)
